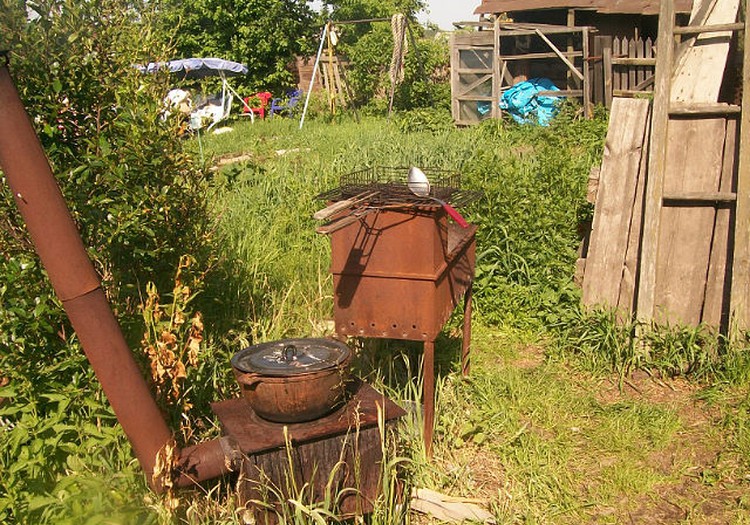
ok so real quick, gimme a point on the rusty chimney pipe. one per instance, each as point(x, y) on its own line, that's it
point(76, 283)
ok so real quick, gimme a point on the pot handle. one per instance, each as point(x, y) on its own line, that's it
point(248, 379)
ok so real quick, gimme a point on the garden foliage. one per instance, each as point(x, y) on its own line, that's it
point(265, 35)
point(137, 197)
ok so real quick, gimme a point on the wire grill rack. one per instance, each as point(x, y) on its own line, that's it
point(389, 185)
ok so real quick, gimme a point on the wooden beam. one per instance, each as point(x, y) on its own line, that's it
point(656, 164)
point(498, 64)
point(713, 28)
point(560, 54)
point(697, 198)
point(534, 56)
point(607, 63)
point(740, 298)
point(561, 93)
point(707, 109)
point(634, 61)
point(588, 109)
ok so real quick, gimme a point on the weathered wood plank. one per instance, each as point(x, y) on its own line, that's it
point(612, 214)
point(629, 285)
point(587, 105)
point(608, 87)
point(716, 305)
point(740, 302)
point(656, 166)
point(497, 64)
point(694, 164)
point(700, 66)
point(597, 76)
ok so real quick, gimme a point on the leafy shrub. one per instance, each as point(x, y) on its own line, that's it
point(138, 200)
point(534, 183)
point(434, 120)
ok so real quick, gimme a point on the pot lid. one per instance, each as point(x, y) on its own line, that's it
point(291, 356)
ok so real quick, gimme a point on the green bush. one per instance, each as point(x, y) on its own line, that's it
point(138, 200)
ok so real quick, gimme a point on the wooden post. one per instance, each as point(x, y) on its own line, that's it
point(455, 79)
point(656, 163)
point(571, 24)
point(597, 74)
point(740, 299)
point(497, 69)
point(428, 395)
point(607, 67)
point(587, 107)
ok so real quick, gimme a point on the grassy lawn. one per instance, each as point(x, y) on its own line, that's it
point(540, 432)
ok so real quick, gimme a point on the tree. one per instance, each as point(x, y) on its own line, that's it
point(368, 47)
point(263, 34)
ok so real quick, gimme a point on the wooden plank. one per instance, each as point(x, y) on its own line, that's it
point(740, 302)
point(700, 67)
point(720, 108)
point(640, 72)
point(716, 305)
point(561, 93)
point(632, 50)
point(560, 54)
point(607, 61)
point(710, 28)
point(614, 202)
point(694, 164)
point(588, 109)
point(629, 283)
point(697, 197)
point(534, 56)
point(656, 166)
point(634, 61)
point(497, 67)
point(569, 41)
point(455, 79)
point(597, 77)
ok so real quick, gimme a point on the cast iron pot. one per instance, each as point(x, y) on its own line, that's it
point(293, 380)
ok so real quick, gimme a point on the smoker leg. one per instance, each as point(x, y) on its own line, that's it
point(428, 395)
point(466, 343)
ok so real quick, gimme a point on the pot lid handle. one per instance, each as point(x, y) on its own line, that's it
point(290, 353)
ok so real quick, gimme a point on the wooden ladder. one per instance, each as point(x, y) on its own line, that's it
point(664, 109)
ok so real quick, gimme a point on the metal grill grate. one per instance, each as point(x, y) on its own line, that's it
point(389, 185)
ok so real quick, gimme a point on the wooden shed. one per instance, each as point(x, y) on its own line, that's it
point(591, 49)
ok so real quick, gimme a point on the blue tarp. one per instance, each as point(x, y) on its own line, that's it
point(525, 105)
point(198, 67)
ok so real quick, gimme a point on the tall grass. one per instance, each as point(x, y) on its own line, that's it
point(530, 430)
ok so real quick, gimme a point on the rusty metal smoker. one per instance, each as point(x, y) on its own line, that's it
point(76, 283)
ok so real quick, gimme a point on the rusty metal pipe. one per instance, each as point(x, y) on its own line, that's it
point(76, 283)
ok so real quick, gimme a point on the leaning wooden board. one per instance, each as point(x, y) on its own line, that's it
point(694, 164)
point(716, 305)
point(623, 148)
point(701, 60)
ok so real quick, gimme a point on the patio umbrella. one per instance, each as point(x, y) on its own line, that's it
point(194, 68)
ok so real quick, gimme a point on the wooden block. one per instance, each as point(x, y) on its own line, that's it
point(621, 164)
